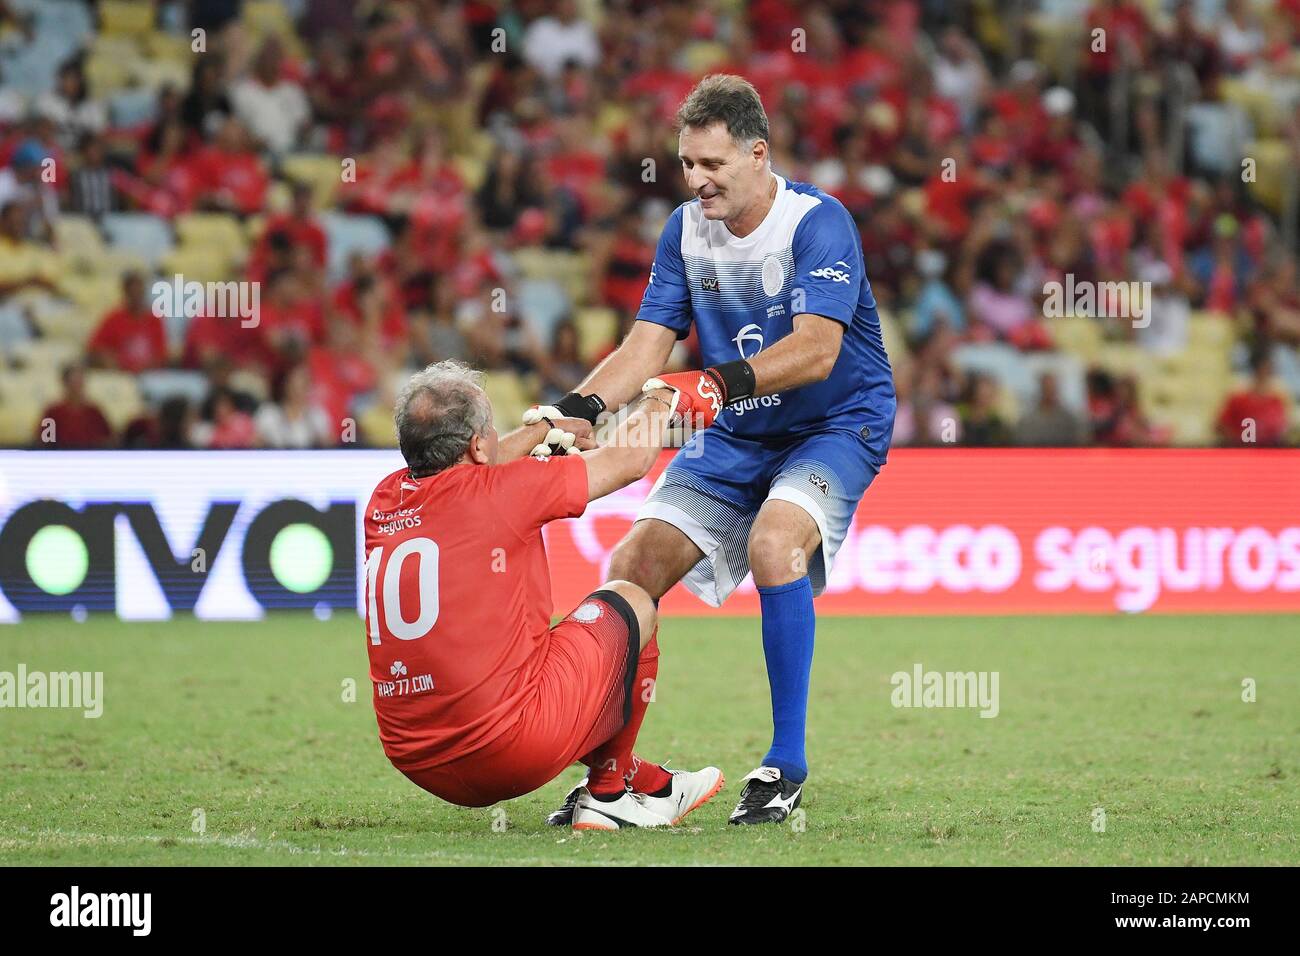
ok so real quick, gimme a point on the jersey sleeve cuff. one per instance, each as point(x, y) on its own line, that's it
point(575, 485)
point(667, 321)
point(831, 308)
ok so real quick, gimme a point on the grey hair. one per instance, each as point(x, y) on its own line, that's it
point(437, 413)
point(728, 99)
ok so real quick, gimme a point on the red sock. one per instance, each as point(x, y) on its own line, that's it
point(613, 763)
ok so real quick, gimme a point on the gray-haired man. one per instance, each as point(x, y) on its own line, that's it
point(478, 698)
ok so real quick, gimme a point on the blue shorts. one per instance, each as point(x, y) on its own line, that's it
point(712, 489)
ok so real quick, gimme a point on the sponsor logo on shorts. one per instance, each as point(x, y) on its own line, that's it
point(586, 613)
point(709, 284)
point(820, 483)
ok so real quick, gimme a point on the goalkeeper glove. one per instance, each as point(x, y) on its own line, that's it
point(705, 394)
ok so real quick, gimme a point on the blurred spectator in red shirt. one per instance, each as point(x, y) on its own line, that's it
point(1255, 414)
point(341, 369)
point(130, 337)
point(228, 174)
point(74, 421)
point(296, 228)
point(231, 427)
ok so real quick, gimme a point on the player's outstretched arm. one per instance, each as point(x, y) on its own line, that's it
point(631, 451)
point(618, 379)
point(565, 435)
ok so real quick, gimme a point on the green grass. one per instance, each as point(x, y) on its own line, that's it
point(1141, 716)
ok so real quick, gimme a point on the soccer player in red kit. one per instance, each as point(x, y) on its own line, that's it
point(478, 698)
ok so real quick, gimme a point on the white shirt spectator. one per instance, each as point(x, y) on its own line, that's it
point(274, 114)
point(275, 429)
point(550, 43)
point(72, 119)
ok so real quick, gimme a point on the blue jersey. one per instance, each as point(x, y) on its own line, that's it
point(743, 295)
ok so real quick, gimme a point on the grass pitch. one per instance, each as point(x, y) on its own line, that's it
point(244, 729)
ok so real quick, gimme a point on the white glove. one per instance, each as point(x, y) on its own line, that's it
point(557, 440)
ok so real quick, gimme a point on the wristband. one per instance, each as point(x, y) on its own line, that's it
point(736, 378)
point(574, 405)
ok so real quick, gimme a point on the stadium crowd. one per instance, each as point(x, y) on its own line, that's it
point(414, 180)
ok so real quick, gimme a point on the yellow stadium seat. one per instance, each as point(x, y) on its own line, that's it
point(1264, 109)
point(116, 394)
point(1273, 171)
point(267, 16)
point(126, 17)
point(597, 328)
point(155, 74)
point(473, 170)
point(40, 384)
point(702, 56)
point(196, 264)
point(47, 354)
point(106, 74)
point(322, 172)
point(895, 341)
point(92, 292)
point(1211, 330)
point(78, 240)
point(1122, 358)
point(165, 46)
point(117, 262)
point(69, 325)
point(215, 233)
point(1078, 336)
point(19, 415)
point(509, 396)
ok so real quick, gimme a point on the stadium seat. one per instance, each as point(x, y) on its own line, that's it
point(90, 292)
point(509, 396)
point(129, 108)
point(597, 328)
point(215, 233)
point(126, 18)
point(543, 304)
point(14, 327)
point(116, 394)
point(1274, 171)
point(106, 73)
point(198, 264)
point(41, 384)
point(44, 354)
point(320, 171)
point(78, 241)
point(1076, 335)
point(19, 414)
point(155, 74)
point(349, 234)
point(72, 324)
point(1212, 330)
point(148, 236)
point(158, 385)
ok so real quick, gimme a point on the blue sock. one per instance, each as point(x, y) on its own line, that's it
point(788, 626)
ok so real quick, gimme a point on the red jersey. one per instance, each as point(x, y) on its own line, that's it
point(136, 340)
point(458, 600)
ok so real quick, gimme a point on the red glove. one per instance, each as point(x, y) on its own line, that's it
point(702, 395)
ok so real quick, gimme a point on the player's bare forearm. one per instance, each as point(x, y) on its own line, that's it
point(803, 357)
point(643, 354)
point(631, 452)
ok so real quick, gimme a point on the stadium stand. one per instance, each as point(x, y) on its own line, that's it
point(403, 189)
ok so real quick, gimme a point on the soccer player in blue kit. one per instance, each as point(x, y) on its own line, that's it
point(771, 273)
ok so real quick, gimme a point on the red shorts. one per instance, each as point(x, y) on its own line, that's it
point(583, 697)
